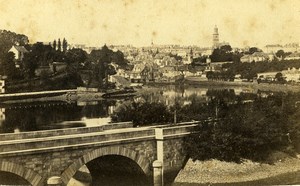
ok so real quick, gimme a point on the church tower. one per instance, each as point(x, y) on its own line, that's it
point(215, 37)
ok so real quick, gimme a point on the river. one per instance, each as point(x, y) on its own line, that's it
point(34, 116)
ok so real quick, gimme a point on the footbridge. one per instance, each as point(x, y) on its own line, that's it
point(53, 157)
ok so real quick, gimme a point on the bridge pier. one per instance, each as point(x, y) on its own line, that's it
point(157, 173)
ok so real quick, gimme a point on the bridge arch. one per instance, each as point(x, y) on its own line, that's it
point(141, 160)
point(29, 175)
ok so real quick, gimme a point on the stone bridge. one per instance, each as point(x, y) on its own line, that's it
point(44, 157)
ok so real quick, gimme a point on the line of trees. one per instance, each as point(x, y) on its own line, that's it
point(62, 47)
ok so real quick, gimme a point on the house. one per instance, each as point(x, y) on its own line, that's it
point(169, 61)
point(259, 56)
point(293, 56)
point(291, 74)
point(19, 52)
point(169, 71)
point(119, 81)
point(142, 73)
point(2, 86)
point(269, 76)
point(123, 73)
point(56, 66)
point(256, 57)
point(245, 59)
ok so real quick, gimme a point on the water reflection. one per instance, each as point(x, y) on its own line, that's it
point(53, 115)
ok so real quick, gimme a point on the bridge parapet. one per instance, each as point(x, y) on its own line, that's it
point(48, 155)
point(68, 142)
point(179, 130)
point(60, 132)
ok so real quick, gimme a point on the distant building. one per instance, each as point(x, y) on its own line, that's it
point(119, 81)
point(57, 66)
point(267, 76)
point(290, 47)
point(246, 58)
point(2, 86)
point(19, 52)
point(142, 73)
point(2, 115)
point(291, 74)
point(273, 48)
point(256, 57)
point(293, 56)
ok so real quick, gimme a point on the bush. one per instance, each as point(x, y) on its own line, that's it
point(143, 113)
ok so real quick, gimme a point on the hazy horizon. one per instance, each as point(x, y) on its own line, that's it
point(139, 22)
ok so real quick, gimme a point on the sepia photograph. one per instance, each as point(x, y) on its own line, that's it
point(149, 92)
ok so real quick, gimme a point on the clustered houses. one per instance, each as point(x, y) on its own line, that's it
point(257, 57)
point(290, 47)
point(290, 75)
point(269, 55)
point(293, 56)
point(156, 64)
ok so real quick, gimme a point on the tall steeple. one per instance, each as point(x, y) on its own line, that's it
point(215, 37)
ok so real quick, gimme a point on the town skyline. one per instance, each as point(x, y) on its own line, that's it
point(139, 23)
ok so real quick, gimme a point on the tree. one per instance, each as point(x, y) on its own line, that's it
point(74, 58)
point(280, 53)
point(40, 55)
point(209, 75)
point(54, 45)
point(224, 53)
point(226, 48)
point(101, 59)
point(65, 45)
point(252, 50)
point(118, 58)
point(8, 67)
point(59, 45)
point(76, 55)
point(142, 114)
point(8, 39)
point(279, 77)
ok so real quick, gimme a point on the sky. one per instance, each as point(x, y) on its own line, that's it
point(139, 22)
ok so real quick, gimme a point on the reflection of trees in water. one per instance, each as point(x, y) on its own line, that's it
point(44, 116)
point(34, 118)
point(96, 110)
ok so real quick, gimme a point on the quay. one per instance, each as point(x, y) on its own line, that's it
point(25, 95)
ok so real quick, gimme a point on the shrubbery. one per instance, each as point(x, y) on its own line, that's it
point(248, 131)
point(143, 113)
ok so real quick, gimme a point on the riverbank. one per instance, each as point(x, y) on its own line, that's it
point(215, 172)
point(194, 81)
